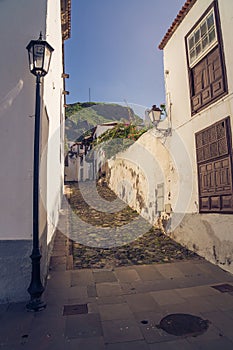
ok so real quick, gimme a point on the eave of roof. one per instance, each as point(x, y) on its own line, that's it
point(66, 19)
point(179, 18)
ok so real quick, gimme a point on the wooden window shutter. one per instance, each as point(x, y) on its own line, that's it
point(214, 158)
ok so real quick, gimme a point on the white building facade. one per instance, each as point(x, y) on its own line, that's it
point(199, 86)
point(19, 25)
point(181, 170)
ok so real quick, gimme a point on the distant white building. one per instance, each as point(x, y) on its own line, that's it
point(21, 22)
point(83, 162)
point(77, 168)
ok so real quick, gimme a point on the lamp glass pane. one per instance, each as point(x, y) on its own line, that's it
point(30, 57)
point(155, 116)
point(38, 56)
point(47, 57)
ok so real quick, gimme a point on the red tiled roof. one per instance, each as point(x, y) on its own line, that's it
point(179, 18)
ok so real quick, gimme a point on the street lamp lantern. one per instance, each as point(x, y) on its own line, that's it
point(39, 53)
point(155, 114)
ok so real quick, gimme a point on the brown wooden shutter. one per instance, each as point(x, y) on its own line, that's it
point(197, 77)
point(214, 158)
point(207, 79)
point(215, 73)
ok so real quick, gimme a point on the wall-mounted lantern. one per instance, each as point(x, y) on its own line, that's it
point(155, 115)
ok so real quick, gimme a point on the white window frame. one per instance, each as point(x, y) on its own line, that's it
point(198, 44)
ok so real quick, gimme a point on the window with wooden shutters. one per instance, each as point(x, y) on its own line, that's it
point(214, 162)
point(205, 60)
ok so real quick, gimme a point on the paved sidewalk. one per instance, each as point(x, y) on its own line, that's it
point(118, 309)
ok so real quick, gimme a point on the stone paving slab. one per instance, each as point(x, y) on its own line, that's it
point(148, 273)
point(221, 321)
point(78, 292)
point(173, 345)
point(169, 271)
point(113, 299)
point(130, 275)
point(214, 344)
point(91, 291)
point(197, 291)
point(83, 326)
point(104, 276)
point(134, 345)
point(82, 278)
point(115, 312)
point(93, 343)
point(141, 302)
point(167, 297)
point(116, 331)
point(108, 289)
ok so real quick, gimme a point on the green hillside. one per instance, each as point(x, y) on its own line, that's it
point(82, 117)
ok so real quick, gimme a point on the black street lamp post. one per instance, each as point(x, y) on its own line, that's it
point(39, 53)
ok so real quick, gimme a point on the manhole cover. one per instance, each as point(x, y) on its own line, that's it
point(184, 325)
point(75, 309)
point(224, 288)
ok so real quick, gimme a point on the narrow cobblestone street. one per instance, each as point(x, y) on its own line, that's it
point(148, 246)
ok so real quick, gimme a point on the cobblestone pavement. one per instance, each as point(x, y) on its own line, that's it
point(92, 227)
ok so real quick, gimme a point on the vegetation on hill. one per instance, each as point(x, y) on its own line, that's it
point(119, 138)
point(81, 117)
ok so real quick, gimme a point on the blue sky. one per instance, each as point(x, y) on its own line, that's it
point(113, 50)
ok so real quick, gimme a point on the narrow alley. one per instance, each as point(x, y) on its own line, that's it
point(120, 299)
point(117, 175)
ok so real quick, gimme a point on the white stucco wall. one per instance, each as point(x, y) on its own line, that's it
point(54, 104)
point(17, 105)
point(17, 109)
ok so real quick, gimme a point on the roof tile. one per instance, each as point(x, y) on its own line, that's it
point(179, 18)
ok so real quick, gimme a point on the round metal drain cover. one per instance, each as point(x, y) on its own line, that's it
point(184, 325)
